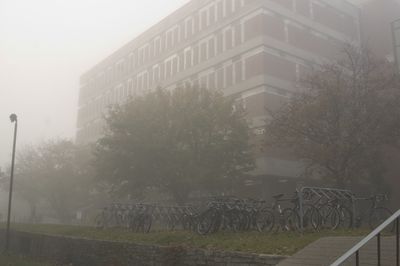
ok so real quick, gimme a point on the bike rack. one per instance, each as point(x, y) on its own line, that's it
point(307, 193)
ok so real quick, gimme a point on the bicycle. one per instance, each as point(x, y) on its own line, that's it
point(376, 213)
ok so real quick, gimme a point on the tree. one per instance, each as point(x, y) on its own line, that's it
point(179, 141)
point(56, 173)
point(340, 121)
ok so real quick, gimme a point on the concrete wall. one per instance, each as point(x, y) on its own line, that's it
point(84, 252)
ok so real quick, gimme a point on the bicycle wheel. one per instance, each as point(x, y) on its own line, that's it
point(311, 217)
point(330, 218)
point(235, 221)
point(244, 221)
point(146, 223)
point(99, 222)
point(346, 217)
point(378, 216)
point(291, 220)
point(170, 222)
point(205, 223)
point(265, 221)
point(187, 222)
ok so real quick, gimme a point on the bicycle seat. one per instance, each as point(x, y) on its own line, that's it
point(278, 196)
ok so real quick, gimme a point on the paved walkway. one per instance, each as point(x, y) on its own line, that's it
point(325, 251)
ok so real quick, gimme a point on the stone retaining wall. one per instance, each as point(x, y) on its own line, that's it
point(87, 252)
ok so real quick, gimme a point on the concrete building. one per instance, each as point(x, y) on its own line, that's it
point(253, 49)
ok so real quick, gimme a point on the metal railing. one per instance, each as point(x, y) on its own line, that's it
point(376, 233)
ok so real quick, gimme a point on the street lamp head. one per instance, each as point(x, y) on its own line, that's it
point(13, 118)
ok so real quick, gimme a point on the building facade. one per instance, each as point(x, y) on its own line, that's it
point(255, 50)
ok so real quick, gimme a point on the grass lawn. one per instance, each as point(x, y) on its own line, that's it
point(13, 260)
point(273, 243)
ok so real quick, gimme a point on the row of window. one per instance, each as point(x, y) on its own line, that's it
point(226, 75)
point(184, 30)
point(218, 42)
point(325, 14)
point(193, 54)
point(206, 49)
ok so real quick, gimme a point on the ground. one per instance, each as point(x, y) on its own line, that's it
point(255, 242)
point(13, 260)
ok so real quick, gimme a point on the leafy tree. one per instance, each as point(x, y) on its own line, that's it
point(56, 173)
point(179, 141)
point(340, 121)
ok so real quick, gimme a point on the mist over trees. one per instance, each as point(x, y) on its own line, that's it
point(55, 175)
point(376, 16)
point(178, 142)
point(342, 120)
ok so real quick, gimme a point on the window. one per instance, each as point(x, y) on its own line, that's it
point(119, 94)
point(204, 19)
point(134, 86)
point(139, 83)
point(123, 66)
point(211, 47)
point(175, 65)
point(211, 80)
point(176, 35)
point(157, 46)
point(196, 55)
point(286, 28)
point(146, 53)
point(312, 10)
point(108, 75)
point(141, 56)
point(156, 73)
point(220, 78)
point(135, 59)
point(189, 27)
point(212, 14)
point(171, 66)
point(169, 40)
point(228, 38)
point(228, 74)
point(125, 88)
point(227, 7)
point(203, 80)
point(168, 67)
point(118, 69)
point(145, 81)
point(203, 51)
point(188, 58)
point(129, 88)
point(130, 62)
point(172, 37)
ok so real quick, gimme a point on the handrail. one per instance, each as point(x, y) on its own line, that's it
point(364, 241)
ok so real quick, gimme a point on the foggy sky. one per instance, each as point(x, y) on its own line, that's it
point(45, 45)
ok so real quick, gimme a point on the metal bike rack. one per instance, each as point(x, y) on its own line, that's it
point(309, 193)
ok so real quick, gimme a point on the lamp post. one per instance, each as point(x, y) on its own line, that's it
point(13, 119)
point(396, 42)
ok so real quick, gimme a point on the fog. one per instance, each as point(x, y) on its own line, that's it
point(45, 46)
point(272, 123)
